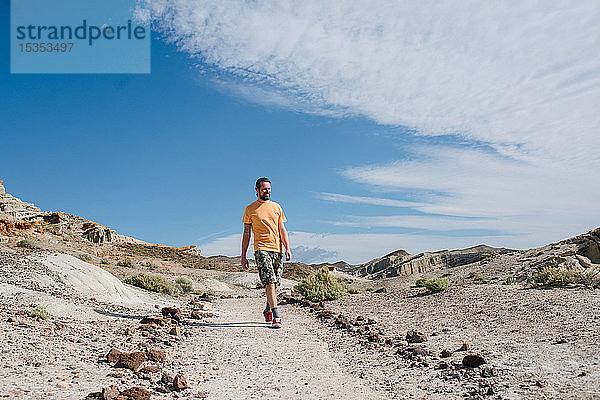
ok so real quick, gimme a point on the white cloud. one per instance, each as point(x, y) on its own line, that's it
point(344, 198)
point(523, 77)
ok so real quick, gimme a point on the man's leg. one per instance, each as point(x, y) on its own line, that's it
point(271, 295)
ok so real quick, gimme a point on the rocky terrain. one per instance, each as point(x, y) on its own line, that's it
point(509, 325)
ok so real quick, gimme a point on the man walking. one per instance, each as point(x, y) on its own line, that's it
point(265, 218)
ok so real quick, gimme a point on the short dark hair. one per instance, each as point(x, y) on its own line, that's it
point(259, 181)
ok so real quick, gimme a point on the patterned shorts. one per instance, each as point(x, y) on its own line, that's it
point(270, 266)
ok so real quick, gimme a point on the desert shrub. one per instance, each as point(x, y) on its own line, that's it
point(84, 257)
point(587, 278)
point(105, 261)
point(421, 282)
point(153, 283)
point(27, 244)
point(437, 284)
point(184, 284)
point(486, 257)
point(478, 279)
point(553, 276)
point(509, 280)
point(38, 312)
point(126, 262)
point(320, 286)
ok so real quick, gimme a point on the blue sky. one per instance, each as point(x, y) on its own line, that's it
point(379, 130)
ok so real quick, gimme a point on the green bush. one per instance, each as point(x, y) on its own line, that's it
point(27, 244)
point(184, 284)
point(126, 262)
point(153, 283)
point(421, 282)
point(321, 286)
point(437, 284)
point(38, 312)
point(352, 290)
point(553, 276)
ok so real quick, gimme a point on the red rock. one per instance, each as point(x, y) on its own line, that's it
point(156, 355)
point(114, 355)
point(131, 361)
point(110, 393)
point(180, 383)
point(136, 393)
point(153, 320)
point(170, 311)
point(149, 369)
point(175, 331)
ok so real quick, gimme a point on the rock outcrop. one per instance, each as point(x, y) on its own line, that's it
point(400, 262)
point(12, 207)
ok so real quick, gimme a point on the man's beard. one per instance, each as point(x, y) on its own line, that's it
point(265, 196)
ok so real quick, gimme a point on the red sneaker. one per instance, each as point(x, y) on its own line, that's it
point(276, 323)
point(268, 316)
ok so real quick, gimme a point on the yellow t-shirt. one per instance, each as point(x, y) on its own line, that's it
point(265, 218)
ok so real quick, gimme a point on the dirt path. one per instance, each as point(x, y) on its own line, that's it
point(237, 356)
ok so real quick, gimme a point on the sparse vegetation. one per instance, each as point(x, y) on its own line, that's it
point(352, 290)
point(553, 276)
point(84, 257)
point(38, 312)
point(487, 257)
point(105, 261)
point(153, 283)
point(437, 284)
point(421, 282)
point(509, 280)
point(126, 262)
point(27, 244)
point(479, 279)
point(184, 284)
point(321, 286)
point(434, 284)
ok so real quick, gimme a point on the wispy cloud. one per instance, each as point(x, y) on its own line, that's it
point(344, 198)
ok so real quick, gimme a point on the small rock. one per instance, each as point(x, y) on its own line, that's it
point(442, 365)
point(380, 290)
point(166, 378)
point(373, 337)
point(153, 320)
point(487, 371)
point(156, 355)
point(445, 353)
point(149, 369)
point(473, 360)
point(413, 336)
point(136, 393)
point(62, 385)
point(175, 331)
point(464, 347)
point(196, 314)
point(114, 355)
point(540, 384)
point(180, 383)
point(131, 361)
point(110, 393)
point(170, 311)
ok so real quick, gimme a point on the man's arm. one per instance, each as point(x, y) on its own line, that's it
point(285, 240)
point(245, 243)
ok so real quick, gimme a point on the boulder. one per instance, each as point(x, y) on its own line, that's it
point(131, 361)
point(413, 336)
point(180, 383)
point(156, 355)
point(473, 361)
